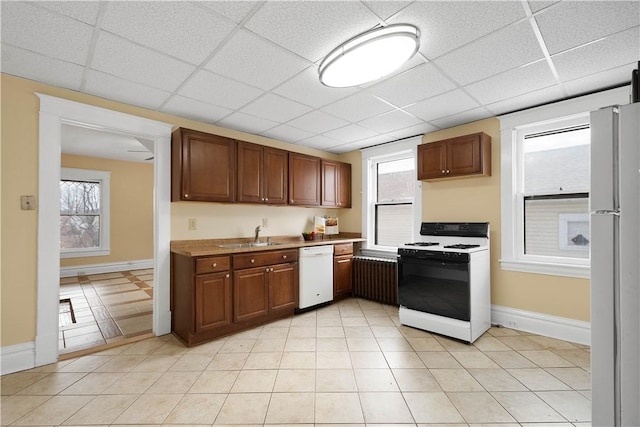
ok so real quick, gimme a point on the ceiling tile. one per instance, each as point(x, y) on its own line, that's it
point(350, 133)
point(515, 82)
point(539, 97)
point(195, 110)
point(611, 52)
point(442, 105)
point(390, 122)
point(447, 25)
point(420, 129)
point(44, 32)
point(307, 89)
point(538, 5)
point(573, 23)
point(609, 78)
point(494, 54)
point(85, 11)
point(311, 29)
point(317, 122)
point(111, 87)
point(238, 57)
point(374, 140)
point(320, 142)
point(22, 63)
point(179, 29)
point(358, 107)
point(414, 85)
point(276, 108)
point(462, 118)
point(233, 10)
point(386, 9)
point(122, 58)
point(211, 88)
point(246, 123)
point(287, 133)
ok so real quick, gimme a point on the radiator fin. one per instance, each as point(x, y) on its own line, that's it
point(376, 279)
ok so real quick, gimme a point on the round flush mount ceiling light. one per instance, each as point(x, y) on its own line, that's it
point(370, 55)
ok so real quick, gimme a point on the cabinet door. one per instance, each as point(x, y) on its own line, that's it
point(250, 293)
point(342, 275)
point(464, 155)
point(344, 186)
point(275, 176)
point(250, 168)
point(204, 167)
point(212, 301)
point(330, 180)
point(304, 180)
point(432, 160)
point(283, 287)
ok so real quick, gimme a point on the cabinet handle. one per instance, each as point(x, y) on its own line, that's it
point(227, 276)
point(214, 265)
point(271, 269)
point(443, 171)
point(266, 199)
point(447, 170)
point(267, 270)
point(284, 257)
point(262, 199)
point(291, 201)
point(186, 196)
point(252, 260)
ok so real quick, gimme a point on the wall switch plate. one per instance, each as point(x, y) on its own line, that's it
point(28, 203)
point(193, 224)
point(265, 222)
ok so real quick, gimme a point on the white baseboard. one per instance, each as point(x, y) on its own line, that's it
point(562, 328)
point(17, 357)
point(105, 268)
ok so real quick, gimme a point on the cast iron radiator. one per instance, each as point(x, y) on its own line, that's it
point(375, 279)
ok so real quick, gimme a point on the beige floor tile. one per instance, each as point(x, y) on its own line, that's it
point(382, 320)
point(425, 344)
point(578, 357)
point(572, 405)
point(403, 359)
point(228, 361)
point(255, 381)
point(368, 360)
point(302, 332)
point(149, 409)
point(237, 346)
point(85, 364)
point(282, 323)
point(156, 363)
point(510, 359)
point(358, 332)
point(246, 408)
point(385, 332)
point(93, 383)
point(263, 361)
point(521, 342)
point(456, 380)
point(191, 362)
point(121, 363)
point(292, 380)
point(432, 408)
point(490, 343)
point(527, 407)
point(54, 411)
point(499, 331)
point(546, 359)
point(298, 360)
point(328, 321)
point(196, 409)
point(330, 332)
point(304, 321)
point(496, 380)
point(14, 383)
point(331, 344)
point(552, 343)
point(135, 325)
point(102, 410)
point(413, 332)
point(473, 359)
point(300, 344)
point(133, 383)
point(537, 379)
point(385, 407)
point(52, 384)
point(333, 360)
point(362, 344)
point(354, 321)
point(415, 380)
point(14, 407)
point(438, 360)
point(264, 345)
point(293, 408)
point(214, 382)
point(269, 332)
point(375, 380)
point(576, 378)
point(210, 348)
point(480, 407)
point(335, 380)
point(174, 382)
point(338, 408)
point(454, 345)
point(394, 344)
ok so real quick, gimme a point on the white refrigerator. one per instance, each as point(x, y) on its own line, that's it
point(615, 265)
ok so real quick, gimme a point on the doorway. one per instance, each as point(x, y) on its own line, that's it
point(54, 112)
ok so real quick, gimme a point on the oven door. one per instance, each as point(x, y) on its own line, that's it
point(434, 286)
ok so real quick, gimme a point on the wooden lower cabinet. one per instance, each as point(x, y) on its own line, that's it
point(212, 301)
point(342, 270)
point(283, 287)
point(250, 293)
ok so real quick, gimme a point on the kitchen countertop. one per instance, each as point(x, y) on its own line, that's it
point(208, 247)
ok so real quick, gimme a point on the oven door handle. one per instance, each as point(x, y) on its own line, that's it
point(423, 261)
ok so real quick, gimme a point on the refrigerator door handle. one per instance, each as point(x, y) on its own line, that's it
point(605, 212)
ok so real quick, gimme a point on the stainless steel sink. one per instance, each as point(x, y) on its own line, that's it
point(247, 245)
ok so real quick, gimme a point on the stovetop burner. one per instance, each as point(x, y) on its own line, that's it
point(422, 244)
point(462, 246)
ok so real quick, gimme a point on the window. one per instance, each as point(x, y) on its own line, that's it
point(84, 213)
point(391, 195)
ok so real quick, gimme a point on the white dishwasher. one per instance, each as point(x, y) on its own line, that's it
point(316, 275)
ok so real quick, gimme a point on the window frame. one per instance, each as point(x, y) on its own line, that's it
point(104, 179)
point(370, 158)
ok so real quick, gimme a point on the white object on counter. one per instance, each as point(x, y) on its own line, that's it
point(316, 275)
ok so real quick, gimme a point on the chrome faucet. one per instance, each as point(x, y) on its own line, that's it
point(257, 234)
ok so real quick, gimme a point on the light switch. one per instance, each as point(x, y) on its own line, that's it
point(265, 222)
point(193, 224)
point(28, 203)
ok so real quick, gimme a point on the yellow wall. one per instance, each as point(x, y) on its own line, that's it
point(478, 199)
point(131, 209)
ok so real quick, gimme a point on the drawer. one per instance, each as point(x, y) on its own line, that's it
point(343, 249)
point(212, 264)
point(257, 259)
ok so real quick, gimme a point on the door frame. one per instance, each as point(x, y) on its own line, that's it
point(54, 112)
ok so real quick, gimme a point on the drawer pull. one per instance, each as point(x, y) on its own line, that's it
point(214, 265)
point(284, 257)
point(252, 260)
point(227, 276)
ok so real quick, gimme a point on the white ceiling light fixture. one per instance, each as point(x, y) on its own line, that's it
point(370, 56)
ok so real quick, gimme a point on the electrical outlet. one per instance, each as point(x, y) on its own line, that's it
point(28, 203)
point(265, 222)
point(510, 323)
point(193, 224)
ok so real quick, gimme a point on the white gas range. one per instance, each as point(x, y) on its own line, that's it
point(444, 280)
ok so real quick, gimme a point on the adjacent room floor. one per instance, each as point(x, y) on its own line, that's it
point(348, 363)
point(104, 308)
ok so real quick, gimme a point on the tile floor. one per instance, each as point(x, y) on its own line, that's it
point(348, 363)
point(107, 308)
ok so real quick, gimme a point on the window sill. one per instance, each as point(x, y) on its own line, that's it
point(85, 253)
point(552, 269)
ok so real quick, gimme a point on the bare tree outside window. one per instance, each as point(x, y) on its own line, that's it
point(80, 214)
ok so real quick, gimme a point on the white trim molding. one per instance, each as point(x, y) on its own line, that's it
point(561, 328)
point(14, 358)
point(109, 267)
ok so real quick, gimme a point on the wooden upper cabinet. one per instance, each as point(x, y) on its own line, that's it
point(456, 157)
point(304, 180)
point(336, 184)
point(203, 167)
point(262, 174)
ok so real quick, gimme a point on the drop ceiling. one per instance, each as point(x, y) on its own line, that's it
point(252, 66)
